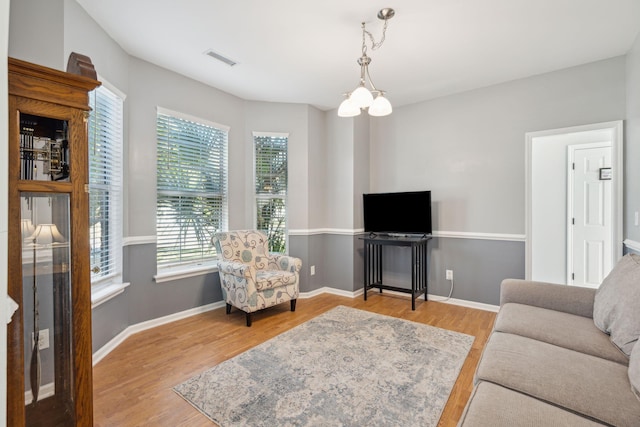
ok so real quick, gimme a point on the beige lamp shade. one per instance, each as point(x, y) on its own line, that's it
point(27, 228)
point(46, 234)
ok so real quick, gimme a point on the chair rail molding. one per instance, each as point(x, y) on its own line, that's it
point(138, 240)
point(632, 244)
point(442, 234)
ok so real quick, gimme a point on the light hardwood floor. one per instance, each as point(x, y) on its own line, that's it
point(132, 385)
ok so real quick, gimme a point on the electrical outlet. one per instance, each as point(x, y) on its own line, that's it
point(43, 339)
point(636, 219)
point(449, 275)
point(313, 270)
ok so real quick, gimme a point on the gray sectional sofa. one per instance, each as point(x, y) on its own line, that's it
point(562, 355)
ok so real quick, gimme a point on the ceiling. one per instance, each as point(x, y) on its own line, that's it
point(305, 52)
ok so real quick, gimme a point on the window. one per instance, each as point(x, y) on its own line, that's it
point(192, 188)
point(105, 183)
point(271, 188)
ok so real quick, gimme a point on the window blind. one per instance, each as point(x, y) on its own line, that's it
point(105, 183)
point(271, 188)
point(192, 188)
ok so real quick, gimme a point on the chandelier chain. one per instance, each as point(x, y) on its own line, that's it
point(374, 45)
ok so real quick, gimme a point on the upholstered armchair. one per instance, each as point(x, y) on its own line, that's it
point(251, 277)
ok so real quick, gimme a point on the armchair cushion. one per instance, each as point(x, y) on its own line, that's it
point(245, 246)
point(269, 279)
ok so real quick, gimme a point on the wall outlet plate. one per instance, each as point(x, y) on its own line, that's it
point(313, 270)
point(43, 339)
point(449, 275)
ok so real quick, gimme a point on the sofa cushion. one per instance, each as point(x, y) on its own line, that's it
point(567, 299)
point(634, 370)
point(616, 308)
point(558, 328)
point(496, 406)
point(585, 384)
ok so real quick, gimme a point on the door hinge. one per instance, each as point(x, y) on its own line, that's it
point(86, 188)
point(573, 221)
point(573, 276)
point(573, 166)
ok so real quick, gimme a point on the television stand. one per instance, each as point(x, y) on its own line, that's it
point(373, 245)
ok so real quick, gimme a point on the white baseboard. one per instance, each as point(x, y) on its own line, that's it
point(45, 391)
point(430, 297)
point(332, 291)
point(139, 327)
point(464, 303)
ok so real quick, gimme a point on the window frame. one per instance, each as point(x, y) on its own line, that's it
point(177, 270)
point(105, 287)
point(255, 196)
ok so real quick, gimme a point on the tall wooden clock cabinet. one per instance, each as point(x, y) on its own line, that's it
point(49, 380)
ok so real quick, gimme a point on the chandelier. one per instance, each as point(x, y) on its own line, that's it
point(362, 98)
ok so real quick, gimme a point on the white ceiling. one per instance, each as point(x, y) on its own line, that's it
point(305, 52)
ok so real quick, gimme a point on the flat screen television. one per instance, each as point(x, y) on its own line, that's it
point(397, 213)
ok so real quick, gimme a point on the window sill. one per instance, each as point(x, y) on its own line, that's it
point(182, 272)
point(104, 293)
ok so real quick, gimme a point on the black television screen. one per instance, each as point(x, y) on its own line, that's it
point(402, 213)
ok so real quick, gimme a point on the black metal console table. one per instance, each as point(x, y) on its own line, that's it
point(373, 245)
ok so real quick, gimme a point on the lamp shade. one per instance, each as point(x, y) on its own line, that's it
point(46, 234)
point(27, 228)
point(348, 109)
point(361, 97)
point(380, 107)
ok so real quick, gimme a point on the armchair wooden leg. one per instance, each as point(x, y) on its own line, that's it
point(293, 305)
point(228, 308)
point(249, 316)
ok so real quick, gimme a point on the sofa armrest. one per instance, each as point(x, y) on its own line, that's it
point(287, 263)
point(569, 299)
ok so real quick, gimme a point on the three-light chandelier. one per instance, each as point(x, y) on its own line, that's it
point(362, 98)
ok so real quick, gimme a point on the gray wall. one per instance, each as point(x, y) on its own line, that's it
point(44, 46)
point(632, 144)
point(284, 118)
point(467, 148)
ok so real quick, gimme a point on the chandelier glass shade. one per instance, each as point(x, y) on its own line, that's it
point(362, 98)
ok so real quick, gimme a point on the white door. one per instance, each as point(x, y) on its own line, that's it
point(590, 214)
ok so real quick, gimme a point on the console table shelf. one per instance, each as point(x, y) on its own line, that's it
point(373, 248)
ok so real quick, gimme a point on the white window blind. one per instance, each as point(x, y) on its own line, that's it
point(271, 188)
point(192, 188)
point(105, 183)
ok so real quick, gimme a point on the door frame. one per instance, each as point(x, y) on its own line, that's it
point(617, 164)
point(571, 149)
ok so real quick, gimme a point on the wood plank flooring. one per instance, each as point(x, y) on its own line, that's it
point(132, 385)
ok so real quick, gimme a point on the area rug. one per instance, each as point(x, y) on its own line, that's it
point(346, 367)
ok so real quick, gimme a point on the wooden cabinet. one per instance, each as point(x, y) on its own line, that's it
point(49, 338)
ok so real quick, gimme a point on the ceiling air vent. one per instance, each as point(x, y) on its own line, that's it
point(219, 57)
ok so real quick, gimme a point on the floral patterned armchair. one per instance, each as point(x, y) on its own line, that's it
point(251, 277)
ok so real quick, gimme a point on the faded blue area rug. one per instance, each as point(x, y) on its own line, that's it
point(346, 367)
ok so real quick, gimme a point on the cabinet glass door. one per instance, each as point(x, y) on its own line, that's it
point(44, 149)
point(47, 308)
